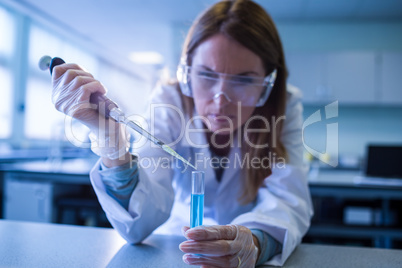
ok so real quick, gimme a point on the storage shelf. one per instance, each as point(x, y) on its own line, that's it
point(322, 230)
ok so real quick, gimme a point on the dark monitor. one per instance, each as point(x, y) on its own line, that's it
point(384, 161)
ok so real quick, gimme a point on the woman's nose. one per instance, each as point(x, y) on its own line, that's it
point(221, 89)
point(222, 99)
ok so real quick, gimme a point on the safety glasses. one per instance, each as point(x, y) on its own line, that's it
point(196, 82)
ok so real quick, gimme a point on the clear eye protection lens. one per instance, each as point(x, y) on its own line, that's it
point(248, 90)
point(182, 75)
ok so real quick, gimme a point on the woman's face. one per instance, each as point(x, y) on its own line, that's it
point(219, 54)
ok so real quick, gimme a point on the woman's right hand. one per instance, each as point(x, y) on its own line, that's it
point(72, 88)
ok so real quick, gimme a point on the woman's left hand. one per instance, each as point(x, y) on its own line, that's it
point(219, 246)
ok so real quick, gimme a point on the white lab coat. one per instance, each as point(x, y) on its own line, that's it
point(160, 202)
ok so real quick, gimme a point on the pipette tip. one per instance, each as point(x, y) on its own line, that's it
point(173, 152)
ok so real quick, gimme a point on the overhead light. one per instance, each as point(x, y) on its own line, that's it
point(146, 57)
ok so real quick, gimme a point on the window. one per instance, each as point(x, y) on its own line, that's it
point(129, 92)
point(24, 87)
point(7, 29)
point(5, 103)
point(39, 88)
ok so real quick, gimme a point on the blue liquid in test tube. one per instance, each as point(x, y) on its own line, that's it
point(197, 198)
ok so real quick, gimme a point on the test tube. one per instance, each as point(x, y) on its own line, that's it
point(197, 198)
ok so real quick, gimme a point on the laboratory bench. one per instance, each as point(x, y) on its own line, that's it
point(12, 155)
point(351, 210)
point(71, 171)
point(28, 244)
point(346, 212)
point(51, 191)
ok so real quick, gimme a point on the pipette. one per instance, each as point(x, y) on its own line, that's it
point(109, 109)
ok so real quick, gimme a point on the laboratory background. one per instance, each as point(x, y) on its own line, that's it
point(344, 55)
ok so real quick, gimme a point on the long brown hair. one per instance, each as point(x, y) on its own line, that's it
point(249, 24)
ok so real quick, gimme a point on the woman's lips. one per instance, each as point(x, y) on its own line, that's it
point(221, 117)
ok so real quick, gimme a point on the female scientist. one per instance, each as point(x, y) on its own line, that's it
point(229, 113)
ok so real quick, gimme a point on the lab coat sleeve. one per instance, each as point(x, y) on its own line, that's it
point(152, 199)
point(283, 207)
point(149, 206)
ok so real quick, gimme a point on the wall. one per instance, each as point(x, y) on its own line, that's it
point(341, 35)
point(358, 125)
